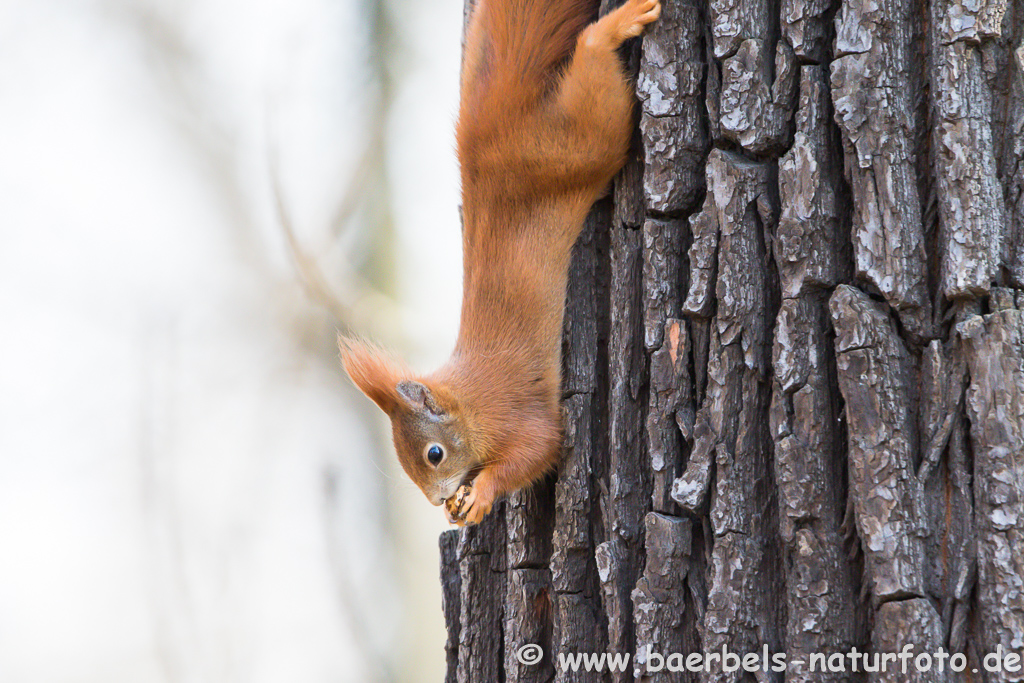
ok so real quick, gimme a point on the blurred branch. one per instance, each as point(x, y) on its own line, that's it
point(212, 141)
point(342, 305)
point(363, 306)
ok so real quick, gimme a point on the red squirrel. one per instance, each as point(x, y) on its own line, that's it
point(544, 124)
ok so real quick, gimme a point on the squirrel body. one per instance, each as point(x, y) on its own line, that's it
point(544, 124)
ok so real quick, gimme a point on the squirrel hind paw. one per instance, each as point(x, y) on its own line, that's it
point(636, 15)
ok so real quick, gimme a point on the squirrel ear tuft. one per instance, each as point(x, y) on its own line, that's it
point(373, 370)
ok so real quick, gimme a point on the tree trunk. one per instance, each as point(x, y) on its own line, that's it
point(794, 363)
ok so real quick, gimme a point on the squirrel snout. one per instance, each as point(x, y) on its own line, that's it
point(437, 495)
point(443, 490)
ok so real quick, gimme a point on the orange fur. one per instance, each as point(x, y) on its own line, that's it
point(544, 125)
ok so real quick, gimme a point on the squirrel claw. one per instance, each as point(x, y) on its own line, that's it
point(629, 20)
point(452, 519)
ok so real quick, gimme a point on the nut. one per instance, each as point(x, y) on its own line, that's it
point(453, 505)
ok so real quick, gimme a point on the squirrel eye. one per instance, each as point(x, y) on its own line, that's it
point(435, 454)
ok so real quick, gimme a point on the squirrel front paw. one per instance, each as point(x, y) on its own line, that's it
point(471, 502)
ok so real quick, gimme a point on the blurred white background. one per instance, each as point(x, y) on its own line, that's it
point(194, 196)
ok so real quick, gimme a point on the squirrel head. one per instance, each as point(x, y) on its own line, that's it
point(430, 436)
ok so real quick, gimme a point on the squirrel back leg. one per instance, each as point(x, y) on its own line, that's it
point(593, 103)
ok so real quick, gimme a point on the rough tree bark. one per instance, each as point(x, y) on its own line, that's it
point(794, 360)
